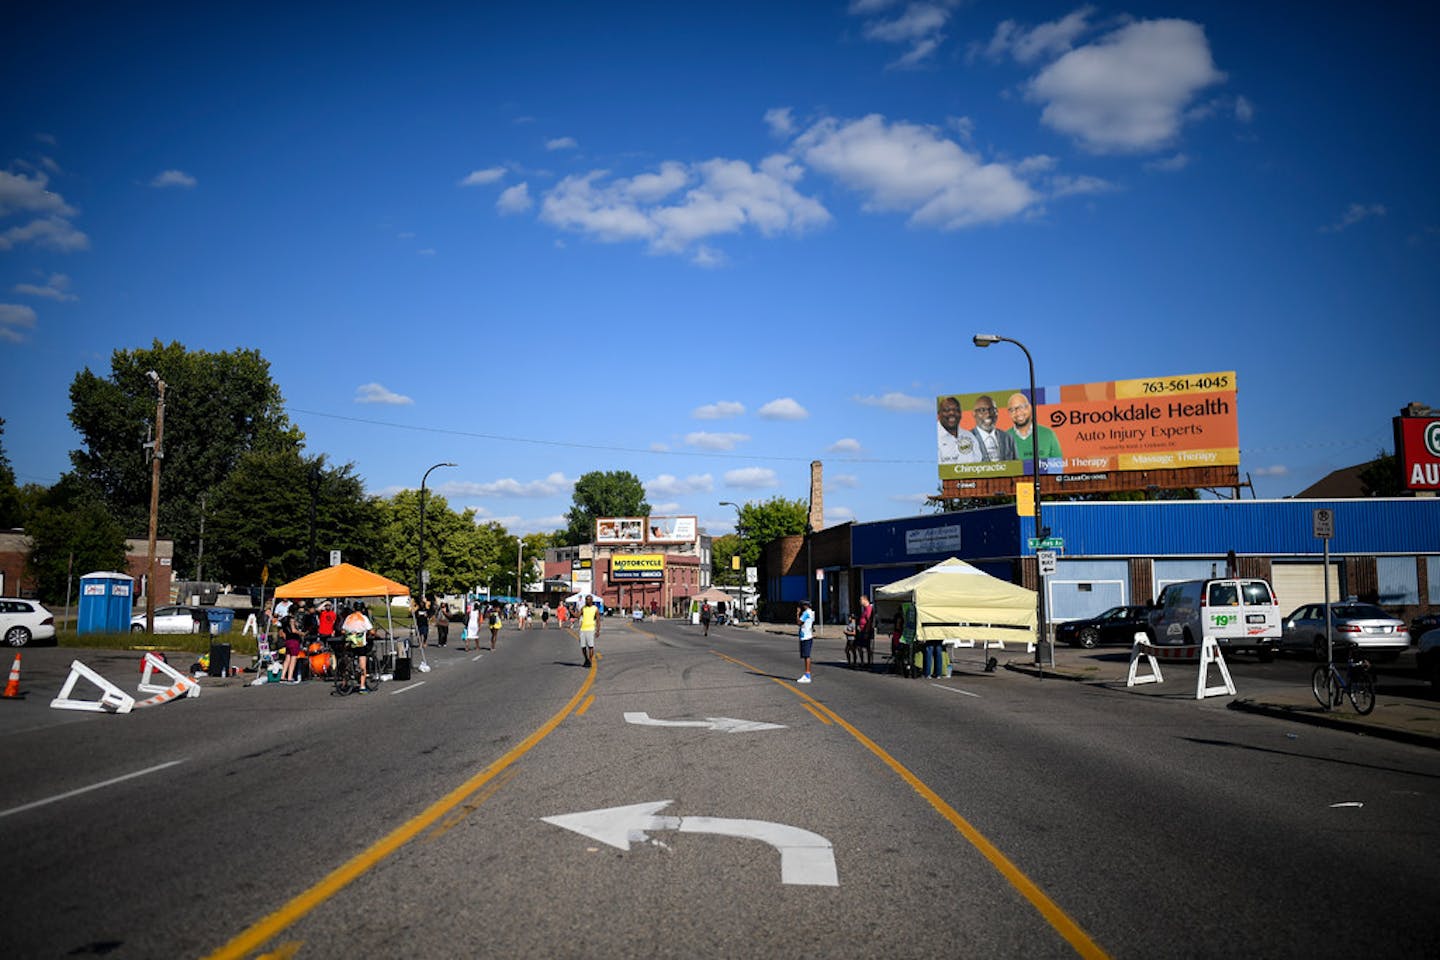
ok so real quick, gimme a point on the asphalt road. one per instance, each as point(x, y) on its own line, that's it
point(981, 815)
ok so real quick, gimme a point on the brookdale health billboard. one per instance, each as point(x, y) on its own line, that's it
point(1157, 423)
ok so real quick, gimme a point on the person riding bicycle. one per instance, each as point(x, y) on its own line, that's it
point(358, 629)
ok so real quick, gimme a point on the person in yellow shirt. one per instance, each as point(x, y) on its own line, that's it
point(589, 627)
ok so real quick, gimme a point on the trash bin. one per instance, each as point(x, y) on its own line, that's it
point(222, 619)
point(219, 660)
point(402, 668)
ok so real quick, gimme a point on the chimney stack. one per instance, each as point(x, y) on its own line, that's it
point(816, 519)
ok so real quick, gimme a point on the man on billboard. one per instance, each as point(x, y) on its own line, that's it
point(995, 445)
point(955, 445)
point(1021, 416)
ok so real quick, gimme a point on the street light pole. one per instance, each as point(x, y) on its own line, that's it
point(157, 453)
point(519, 579)
point(741, 590)
point(985, 340)
point(420, 575)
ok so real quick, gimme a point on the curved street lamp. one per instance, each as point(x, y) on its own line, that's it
point(421, 574)
point(985, 340)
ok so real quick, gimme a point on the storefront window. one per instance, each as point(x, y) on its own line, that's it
point(1397, 581)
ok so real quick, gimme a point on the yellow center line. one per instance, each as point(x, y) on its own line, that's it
point(268, 927)
point(1049, 909)
point(819, 716)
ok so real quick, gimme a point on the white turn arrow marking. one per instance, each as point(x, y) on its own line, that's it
point(805, 858)
point(721, 724)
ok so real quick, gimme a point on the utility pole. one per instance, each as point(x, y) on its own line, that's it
point(157, 453)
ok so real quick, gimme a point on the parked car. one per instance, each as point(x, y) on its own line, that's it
point(177, 619)
point(1427, 659)
point(25, 621)
point(1422, 625)
point(1239, 613)
point(1116, 625)
point(1364, 625)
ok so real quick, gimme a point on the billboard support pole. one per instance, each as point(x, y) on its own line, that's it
point(1041, 633)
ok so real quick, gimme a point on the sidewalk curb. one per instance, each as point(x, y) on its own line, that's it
point(1315, 719)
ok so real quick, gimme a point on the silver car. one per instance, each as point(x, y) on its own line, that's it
point(1364, 625)
point(25, 621)
point(176, 619)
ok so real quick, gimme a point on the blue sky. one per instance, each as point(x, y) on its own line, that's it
point(709, 243)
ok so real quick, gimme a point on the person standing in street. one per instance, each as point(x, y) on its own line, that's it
point(589, 627)
point(422, 623)
point(851, 659)
point(494, 627)
point(472, 627)
point(440, 616)
point(705, 617)
point(865, 635)
point(806, 618)
point(545, 617)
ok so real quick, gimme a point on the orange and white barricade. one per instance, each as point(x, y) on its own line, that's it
point(181, 685)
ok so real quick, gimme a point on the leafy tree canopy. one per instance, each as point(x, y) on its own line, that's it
point(1382, 477)
point(761, 523)
point(260, 516)
point(218, 408)
point(614, 493)
point(12, 513)
point(70, 534)
point(721, 550)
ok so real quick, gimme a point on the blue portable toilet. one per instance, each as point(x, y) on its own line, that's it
point(105, 601)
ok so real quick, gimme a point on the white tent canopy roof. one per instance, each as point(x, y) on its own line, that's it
point(954, 600)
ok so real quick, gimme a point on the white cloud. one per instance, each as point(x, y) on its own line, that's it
point(478, 178)
point(515, 199)
point(173, 178)
point(842, 481)
point(561, 143)
point(554, 485)
point(780, 121)
point(1354, 214)
point(1046, 40)
point(917, 24)
point(784, 408)
point(715, 441)
point(1127, 91)
point(375, 393)
point(50, 227)
point(56, 288)
point(708, 257)
point(1244, 110)
point(15, 319)
point(897, 402)
point(660, 447)
point(22, 194)
point(668, 485)
point(719, 410)
point(837, 514)
point(919, 498)
point(52, 233)
point(752, 478)
point(845, 445)
point(1278, 470)
point(1066, 185)
point(914, 169)
point(719, 197)
point(1169, 164)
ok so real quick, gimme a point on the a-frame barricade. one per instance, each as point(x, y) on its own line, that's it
point(112, 698)
point(152, 663)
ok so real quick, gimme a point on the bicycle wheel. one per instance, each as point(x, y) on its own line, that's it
point(346, 675)
point(1362, 690)
point(1320, 685)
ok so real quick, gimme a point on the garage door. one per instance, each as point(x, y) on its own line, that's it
point(1300, 583)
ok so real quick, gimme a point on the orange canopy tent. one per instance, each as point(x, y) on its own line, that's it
point(342, 580)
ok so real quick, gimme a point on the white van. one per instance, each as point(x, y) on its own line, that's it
point(1241, 613)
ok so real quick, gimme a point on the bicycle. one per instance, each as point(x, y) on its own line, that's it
point(1331, 683)
point(347, 667)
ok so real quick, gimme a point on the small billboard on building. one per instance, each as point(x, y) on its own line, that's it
point(637, 566)
point(670, 529)
point(620, 530)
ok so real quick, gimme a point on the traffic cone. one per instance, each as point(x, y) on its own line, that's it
point(12, 687)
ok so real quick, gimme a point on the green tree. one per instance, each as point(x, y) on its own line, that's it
point(218, 408)
point(12, 512)
point(613, 493)
point(760, 523)
point(71, 533)
point(259, 516)
point(1382, 477)
point(721, 550)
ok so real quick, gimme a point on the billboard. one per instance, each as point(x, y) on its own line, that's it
point(620, 530)
point(670, 529)
point(1417, 447)
point(637, 566)
point(1157, 423)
